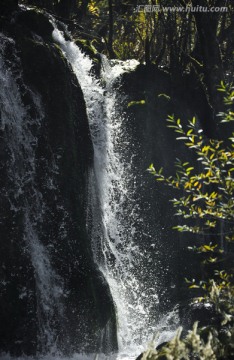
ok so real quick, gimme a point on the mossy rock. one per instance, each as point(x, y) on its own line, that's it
point(87, 47)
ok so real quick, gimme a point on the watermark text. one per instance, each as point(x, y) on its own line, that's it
point(181, 9)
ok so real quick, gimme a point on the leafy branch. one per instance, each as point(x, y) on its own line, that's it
point(206, 205)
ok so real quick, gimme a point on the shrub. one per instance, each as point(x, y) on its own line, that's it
point(206, 206)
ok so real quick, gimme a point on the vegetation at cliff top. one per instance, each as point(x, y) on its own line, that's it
point(177, 42)
point(206, 207)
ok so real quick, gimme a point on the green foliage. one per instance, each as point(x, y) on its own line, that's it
point(210, 342)
point(134, 103)
point(192, 347)
point(206, 205)
point(169, 39)
point(228, 100)
point(207, 194)
point(195, 346)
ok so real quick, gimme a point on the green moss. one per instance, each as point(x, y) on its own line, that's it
point(59, 50)
point(87, 47)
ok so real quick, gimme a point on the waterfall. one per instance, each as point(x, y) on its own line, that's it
point(115, 210)
point(18, 126)
point(114, 219)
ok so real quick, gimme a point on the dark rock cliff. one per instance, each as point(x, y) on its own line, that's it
point(54, 203)
point(150, 99)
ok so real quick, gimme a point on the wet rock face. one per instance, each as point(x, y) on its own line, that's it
point(150, 99)
point(54, 203)
point(8, 6)
point(35, 22)
point(205, 314)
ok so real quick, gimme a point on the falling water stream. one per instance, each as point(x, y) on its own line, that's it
point(19, 126)
point(114, 208)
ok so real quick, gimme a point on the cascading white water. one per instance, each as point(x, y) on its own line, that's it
point(17, 124)
point(114, 208)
